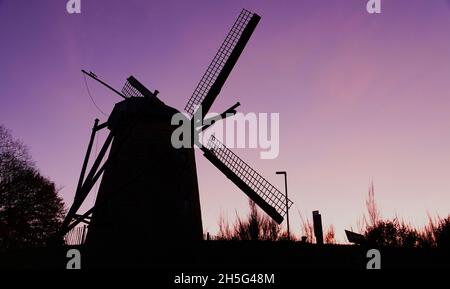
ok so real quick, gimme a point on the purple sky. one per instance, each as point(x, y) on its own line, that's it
point(361, 97)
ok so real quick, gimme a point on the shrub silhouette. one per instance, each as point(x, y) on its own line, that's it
point(393, 233)
point(388, 233)
point(442, 233)
point(307, 229)
point(256, 227)
point(330, 235)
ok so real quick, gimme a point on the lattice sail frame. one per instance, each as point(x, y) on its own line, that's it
point(270, 194)
point(218, 61)
point(130, 91)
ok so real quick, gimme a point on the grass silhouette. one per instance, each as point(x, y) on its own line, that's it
point(379, 232)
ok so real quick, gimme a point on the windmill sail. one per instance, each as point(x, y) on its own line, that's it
point(129, 90)
point(133, 88)
point(223, 62)
point(257, 188)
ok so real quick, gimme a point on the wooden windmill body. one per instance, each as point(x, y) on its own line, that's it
point(149, 190)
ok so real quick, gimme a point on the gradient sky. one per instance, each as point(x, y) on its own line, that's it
point(361, 97)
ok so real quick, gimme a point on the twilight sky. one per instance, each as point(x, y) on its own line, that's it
point(361, 97)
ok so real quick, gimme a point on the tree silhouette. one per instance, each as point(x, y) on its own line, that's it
point(30, 209)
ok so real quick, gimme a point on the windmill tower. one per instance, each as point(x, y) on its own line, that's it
point(149, 191)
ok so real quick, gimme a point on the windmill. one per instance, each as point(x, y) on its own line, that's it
point(149, 186)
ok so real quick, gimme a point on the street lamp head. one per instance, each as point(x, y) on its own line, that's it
point(281, 173)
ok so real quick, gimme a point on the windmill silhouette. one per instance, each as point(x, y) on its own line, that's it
point(149, 189)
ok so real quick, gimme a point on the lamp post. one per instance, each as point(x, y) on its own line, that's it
point(287, 201)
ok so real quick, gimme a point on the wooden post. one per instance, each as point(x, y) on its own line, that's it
point(318, 232)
